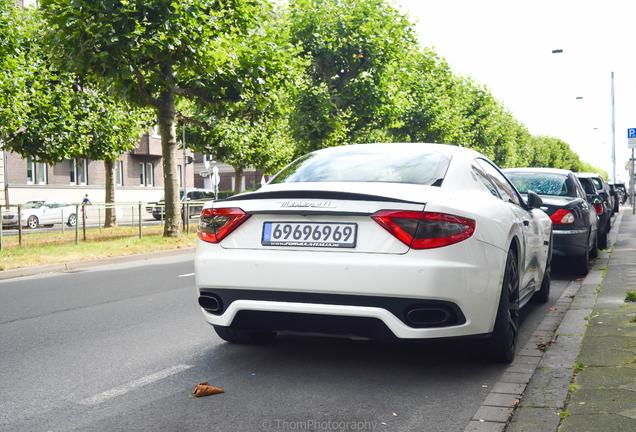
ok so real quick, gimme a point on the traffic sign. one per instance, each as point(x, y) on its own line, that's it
point(631, 138)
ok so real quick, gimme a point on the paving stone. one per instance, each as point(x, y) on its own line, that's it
point(596, 377)
point(509, 388)
point(574, 322)
point(521, 368)
point(601, 401)
point(515, 377)
point(562, 353)
point(526, 360)
point(548, 388)
point(477, 426)
point(534, 420)
point(607, 351)
point(596, 423)
point(493, 414)
point(501, 400)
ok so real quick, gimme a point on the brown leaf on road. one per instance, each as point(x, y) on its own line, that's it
point(204, 389)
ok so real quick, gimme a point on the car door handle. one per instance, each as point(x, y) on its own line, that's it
point(526, 222)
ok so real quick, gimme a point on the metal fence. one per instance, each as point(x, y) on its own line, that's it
point(49, 223)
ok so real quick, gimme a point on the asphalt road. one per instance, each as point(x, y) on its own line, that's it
point(121, 348)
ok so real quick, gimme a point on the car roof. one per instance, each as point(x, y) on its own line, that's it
point(588, 175)
point(447, 149)
point(540, 170)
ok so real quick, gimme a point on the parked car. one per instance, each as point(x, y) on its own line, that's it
point(198, 196)
point(37, 213)
point(603, 190)
point(409, 241)
point(602, 211)
point(617, 198)
point(622, 191)
point(574, 220)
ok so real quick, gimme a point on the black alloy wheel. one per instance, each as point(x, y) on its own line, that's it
point(503, 342)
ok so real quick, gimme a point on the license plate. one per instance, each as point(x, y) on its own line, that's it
point(310, 234)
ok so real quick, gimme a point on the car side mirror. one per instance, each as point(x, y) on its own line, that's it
point(534, 200)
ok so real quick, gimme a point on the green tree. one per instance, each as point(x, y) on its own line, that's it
point(355, 49)
point(52, 115)
point(154, 53)
point(253, 131)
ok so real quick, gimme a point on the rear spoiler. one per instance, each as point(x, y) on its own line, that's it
point(313, 194)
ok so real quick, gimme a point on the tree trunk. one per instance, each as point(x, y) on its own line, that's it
point(238, 174)
point(110, 219)
point(167, 125)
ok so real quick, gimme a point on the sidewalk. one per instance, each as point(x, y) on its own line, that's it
point(586, 381)
point(604, 395)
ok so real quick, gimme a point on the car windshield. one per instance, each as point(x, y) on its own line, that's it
point(32, 204)
point(588, 186)
point(541, 183)
point(380, 163)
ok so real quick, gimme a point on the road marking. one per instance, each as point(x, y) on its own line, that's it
point(132, 385)
point(186, 275)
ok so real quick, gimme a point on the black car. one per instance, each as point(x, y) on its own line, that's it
point(574, 220)
point(603, 212)
point(603, 190)
point(622, 191)
point(617, 198)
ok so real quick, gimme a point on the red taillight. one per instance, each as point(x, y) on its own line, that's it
point(562, 217)
point(599, 208)
point(217, 223)
point(425, 230)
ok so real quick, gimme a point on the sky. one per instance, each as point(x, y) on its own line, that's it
point(506, 45)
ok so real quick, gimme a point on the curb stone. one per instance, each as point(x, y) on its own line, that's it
point(80, 265)
point(515, 403)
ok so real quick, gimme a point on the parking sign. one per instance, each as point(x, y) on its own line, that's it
point(631, 138)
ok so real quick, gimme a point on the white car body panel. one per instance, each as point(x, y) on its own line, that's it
point(468, 274)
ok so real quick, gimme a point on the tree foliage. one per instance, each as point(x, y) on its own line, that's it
point(156, 53)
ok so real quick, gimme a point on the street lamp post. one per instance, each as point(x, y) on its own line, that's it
point(614, 135)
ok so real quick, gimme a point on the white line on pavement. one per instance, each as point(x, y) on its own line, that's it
point(186, 275)
point(132, 385)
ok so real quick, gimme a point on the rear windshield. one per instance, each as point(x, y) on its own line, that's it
point(369, 164)
point(541, 183)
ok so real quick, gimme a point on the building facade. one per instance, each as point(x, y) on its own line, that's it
point(139, 176)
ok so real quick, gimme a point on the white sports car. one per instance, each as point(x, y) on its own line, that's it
point(413, 241)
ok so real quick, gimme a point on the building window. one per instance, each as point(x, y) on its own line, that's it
point(79, 171)
point(142, 174)
point(36, 172)
point(119, 173)
point(155, 132)
point(40, 173)
point(150, 174)
point(30, 171)
point(180, 174)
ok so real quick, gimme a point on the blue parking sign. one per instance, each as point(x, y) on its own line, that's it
point(631, 133)
point(631, 138)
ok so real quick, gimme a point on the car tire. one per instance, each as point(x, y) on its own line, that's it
point(543, 295)
point(594, 251)
point(602, 239)
point(244, 337)
point(72, 220)
point(503, 342)
point(32, 222)
point(582, 264)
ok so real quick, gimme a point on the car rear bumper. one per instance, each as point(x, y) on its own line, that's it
point(284, 287)
point(569, 242)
